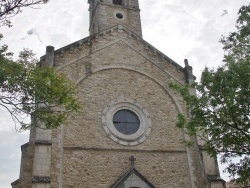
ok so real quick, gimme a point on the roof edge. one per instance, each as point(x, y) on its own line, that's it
point(89, 39)
point(127, 174)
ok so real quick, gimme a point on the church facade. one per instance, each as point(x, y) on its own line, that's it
point(126, 135)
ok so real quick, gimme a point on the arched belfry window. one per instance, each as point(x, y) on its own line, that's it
point(117, 2)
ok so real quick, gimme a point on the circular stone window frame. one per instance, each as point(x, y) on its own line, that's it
point(115, 13)
point(128, 140)
point(119, 16)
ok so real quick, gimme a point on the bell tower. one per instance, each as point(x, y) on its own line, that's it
point(108, 13)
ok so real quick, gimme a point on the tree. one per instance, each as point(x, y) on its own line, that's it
point(26, 89)
point(220, 113)
point(9, 8)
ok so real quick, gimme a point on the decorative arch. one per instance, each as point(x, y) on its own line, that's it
point(178, 106)
point(110, 44)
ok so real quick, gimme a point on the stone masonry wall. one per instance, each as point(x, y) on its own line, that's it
point(100, 88)
point(161, 148)
point(111, 66)
point(90, 168)
point(26, 167)
point(105, 18)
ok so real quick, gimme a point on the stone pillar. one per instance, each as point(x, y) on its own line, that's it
point(41, 137)
point(210, 165)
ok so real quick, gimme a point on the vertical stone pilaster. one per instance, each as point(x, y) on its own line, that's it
point(50, 56)
point(209, 165)
point(60, 157)
point(42, 159)
point(41, 138)
point(189, 74)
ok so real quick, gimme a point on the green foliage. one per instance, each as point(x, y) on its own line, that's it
point(26, 89)
point(220, 113)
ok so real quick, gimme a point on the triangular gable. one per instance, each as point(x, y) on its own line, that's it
point(154, 56)
point(88, 40)
point(132, 179)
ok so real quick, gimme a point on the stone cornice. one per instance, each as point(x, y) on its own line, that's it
point(43, 142)
point(125, 150)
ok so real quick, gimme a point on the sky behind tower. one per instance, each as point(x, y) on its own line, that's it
point(181, 29)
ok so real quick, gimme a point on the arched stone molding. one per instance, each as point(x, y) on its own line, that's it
point(168, 92)
point(114, 42)
point(104, 68)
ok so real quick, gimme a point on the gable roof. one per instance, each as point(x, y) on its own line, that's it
point(120, 28)
point(132, 178)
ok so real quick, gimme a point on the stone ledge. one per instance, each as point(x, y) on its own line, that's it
point(15, 183)
point(24, 146)
point(43, 142)
point(215, 178)
point(123, 150)
point(41, 179)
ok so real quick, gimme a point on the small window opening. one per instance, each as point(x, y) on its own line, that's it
point(117, 2)
point(119, 15)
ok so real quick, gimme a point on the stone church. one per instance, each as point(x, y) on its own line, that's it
point(126, 135)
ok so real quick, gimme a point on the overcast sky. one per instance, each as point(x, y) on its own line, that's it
point(182, 29)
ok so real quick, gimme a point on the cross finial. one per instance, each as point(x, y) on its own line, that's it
point(132, 159)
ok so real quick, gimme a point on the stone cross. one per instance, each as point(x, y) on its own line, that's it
point(132, 159)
